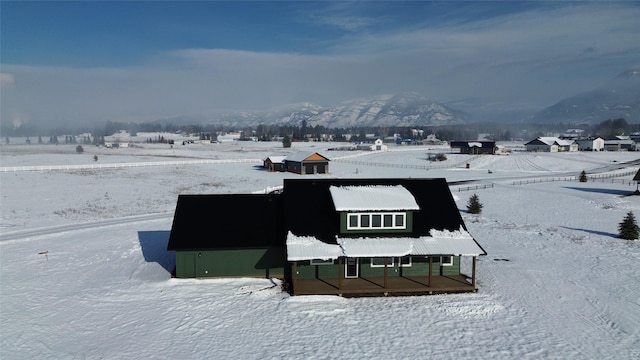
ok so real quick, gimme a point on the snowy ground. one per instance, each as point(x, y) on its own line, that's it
point(84, 272)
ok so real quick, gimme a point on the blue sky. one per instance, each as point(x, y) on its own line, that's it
point(140, 60)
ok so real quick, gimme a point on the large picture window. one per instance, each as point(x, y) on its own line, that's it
point(357, 221)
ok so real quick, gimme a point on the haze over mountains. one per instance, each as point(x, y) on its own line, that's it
point(618, 98)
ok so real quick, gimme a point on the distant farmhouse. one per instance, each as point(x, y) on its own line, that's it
point(475, 147)
point(377, 145)
point(349, 237)
point(299, 163)
point(551, 144)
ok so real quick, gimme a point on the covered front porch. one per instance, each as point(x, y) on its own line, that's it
point(402, 285)
point(385, 285)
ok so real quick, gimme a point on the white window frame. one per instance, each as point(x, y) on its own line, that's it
point(393, 226)
point(322, 262)
point(449, 263)
point(389, 263)
point(403, 264)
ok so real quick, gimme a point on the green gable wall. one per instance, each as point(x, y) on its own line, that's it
point(262, 263)
point(344, 219)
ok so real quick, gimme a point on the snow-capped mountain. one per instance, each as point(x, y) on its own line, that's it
point(619, 98)
point(409, 109)
point(388, 110)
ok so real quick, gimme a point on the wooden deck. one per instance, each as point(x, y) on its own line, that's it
point(403, 285)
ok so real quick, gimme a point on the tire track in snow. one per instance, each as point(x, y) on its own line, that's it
point(12, 237)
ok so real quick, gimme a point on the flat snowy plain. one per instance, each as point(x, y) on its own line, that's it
point(85, 274)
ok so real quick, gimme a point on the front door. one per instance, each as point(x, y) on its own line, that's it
point(351, 268)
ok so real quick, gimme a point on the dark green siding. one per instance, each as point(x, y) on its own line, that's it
point(308, 271)
point(262, 263)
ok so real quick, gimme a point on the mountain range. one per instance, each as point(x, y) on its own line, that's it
point(618, 98)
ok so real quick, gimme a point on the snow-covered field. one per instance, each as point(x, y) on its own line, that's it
point(85, 274)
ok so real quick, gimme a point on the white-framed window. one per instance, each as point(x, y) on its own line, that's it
point(379, 262)
point(405, 261)
point(321, 262)
point(446, 260)
point(359, 221)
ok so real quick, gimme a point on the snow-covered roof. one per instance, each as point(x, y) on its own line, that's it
point(309, 247)
point(563, 142)
point(475, 144)
point(277, 158)
point(301, 156)
point(372, 197)
point(438, 243)
point(548, 140)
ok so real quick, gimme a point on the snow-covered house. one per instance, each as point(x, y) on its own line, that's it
point(551, 144)
point(591, 144)
point(274, 163)
point(618, 144)
point(350, 237)
point(377, 145)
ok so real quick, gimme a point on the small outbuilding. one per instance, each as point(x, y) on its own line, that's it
point(475, 147)
point(274, 163)
point(306, 163)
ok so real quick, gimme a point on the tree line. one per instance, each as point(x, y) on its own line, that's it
point(305, 132)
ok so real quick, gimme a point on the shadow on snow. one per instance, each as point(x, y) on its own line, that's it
point(602, 190)
point(154, 248)
point(595, 232)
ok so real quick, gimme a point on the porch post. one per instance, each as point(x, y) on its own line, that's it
point(473, 273)
point(385, 272)
point(340, 272)
point(294, 276)
point(430, 265)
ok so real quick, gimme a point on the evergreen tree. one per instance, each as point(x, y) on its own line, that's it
point(79, 149)
point(628, 228)
point(583, 176)
point(474, 206)
point(286, 141)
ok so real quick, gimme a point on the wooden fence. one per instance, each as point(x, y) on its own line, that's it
point(475, 187)
point(124, 165)
point(609, 178)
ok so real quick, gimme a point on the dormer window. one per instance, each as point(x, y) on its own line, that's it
point(383, 221)
point(374, 208)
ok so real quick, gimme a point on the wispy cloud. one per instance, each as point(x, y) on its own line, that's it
point(532, 58)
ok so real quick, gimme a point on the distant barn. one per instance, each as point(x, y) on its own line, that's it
point(475, 147)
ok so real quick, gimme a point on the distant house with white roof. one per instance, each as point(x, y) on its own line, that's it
point(620, 144)
point(348, 237)
point(377, 145)
point(591, 144)
point(274, 163)
point(551, 144)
